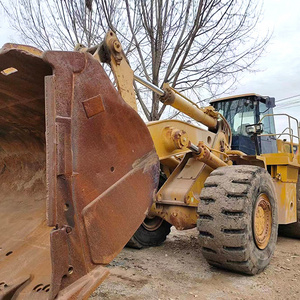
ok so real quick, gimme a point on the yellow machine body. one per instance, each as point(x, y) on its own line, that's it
point(177, 200)
point(77, 160)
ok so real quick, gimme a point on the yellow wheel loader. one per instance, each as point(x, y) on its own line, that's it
point(235, 181)
point(81, 174)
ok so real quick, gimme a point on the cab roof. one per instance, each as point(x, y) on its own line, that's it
point(257, 96)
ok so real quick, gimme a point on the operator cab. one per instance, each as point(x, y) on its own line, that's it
point(244, 110)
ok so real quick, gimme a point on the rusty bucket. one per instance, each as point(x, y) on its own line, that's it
point(78, 171)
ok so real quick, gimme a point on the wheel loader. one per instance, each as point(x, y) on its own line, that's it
point(81, 174)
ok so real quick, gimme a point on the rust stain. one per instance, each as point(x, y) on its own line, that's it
point(54, 178)
point(93, 106)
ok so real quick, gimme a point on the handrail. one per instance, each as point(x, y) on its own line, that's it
point(282, 133)
point(289, 128)
point(274, 134)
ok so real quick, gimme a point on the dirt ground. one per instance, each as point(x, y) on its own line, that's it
point(177, 270)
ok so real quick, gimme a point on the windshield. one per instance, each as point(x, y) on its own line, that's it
point(239, 113)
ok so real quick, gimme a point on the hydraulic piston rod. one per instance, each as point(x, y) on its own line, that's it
point(111, 52)
point(149, 85)
point(169, 97)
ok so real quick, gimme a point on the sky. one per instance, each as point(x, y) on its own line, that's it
point(278, 74)
point(279, 67)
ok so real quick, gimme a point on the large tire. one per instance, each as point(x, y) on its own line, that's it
point(229, 199)
point(153, 232)
point(293, 230)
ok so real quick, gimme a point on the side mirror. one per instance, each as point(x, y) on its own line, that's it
point(270, 102)
point(255, 129)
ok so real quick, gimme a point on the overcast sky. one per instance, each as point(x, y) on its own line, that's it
point(280, 65)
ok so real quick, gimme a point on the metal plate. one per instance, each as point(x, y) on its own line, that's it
point(92, 180)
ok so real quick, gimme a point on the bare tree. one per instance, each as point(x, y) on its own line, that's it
point(199, 46)
point(59, 24)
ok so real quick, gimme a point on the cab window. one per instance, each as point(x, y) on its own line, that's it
point(239, 113)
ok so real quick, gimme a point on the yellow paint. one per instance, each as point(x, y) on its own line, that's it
point(192, 200)
point(9, 71)
point(122, 72)
point(29, 49)
point(281, 159)
point(287, 173)
point(287, 202)
point(284, 146)
point(193, 133)
point(179, 216)
point(234, 97)
point(178, 199)
point(285, 178)
point(262, 221)
point(188, 107)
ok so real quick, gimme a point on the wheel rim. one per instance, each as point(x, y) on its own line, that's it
point(262, 221)
point(153, 223)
